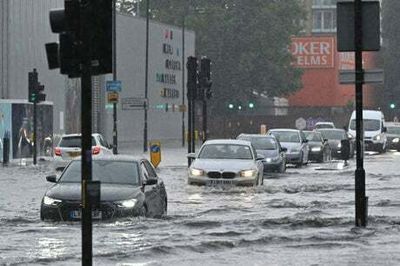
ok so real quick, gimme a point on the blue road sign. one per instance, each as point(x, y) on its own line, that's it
point(114, 85)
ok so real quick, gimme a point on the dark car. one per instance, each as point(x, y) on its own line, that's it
point(320, 151)
point(335, 137)
point(393, 135)
point(129, 187)
point(270, 148)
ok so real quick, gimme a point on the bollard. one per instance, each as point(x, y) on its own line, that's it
point(6, 148)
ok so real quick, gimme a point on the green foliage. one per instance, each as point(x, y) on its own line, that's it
point(247, 42)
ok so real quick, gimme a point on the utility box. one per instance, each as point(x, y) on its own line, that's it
point(16, 117)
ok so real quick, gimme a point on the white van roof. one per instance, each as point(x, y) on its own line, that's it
point(369, 114)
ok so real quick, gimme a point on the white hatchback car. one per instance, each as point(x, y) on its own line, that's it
point(69, 147)
point(226, 162)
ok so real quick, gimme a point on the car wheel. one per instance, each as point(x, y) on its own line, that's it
point(166, 206)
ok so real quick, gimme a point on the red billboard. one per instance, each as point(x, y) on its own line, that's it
point(313, 52)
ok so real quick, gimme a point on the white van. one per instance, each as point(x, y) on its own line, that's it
point(374, 130)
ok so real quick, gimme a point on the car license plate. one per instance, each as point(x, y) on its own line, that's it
point(77, 214)
point(219, 182)
point(74, 153)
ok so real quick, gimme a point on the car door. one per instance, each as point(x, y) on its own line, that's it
point(155, 195)
point(259, 163)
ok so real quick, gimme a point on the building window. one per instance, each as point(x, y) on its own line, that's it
point(324, 16)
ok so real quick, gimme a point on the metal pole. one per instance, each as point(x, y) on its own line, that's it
point(183, 79)
point(193, 114)
point(35, 128)
point(146, 78)
point(204, 119)
point(86, 130)
point(114, 57)
point(360, 199)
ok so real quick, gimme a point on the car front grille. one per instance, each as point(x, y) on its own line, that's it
point(65, 209)
point(226, 175)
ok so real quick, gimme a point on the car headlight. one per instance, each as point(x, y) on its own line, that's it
point(196, 172)
point(377, 137)
point(248, 173)
point(316, 149)
point(268, 160)
point(127, 203)
point(339, 145)
point(50, 201)
point(395, 140)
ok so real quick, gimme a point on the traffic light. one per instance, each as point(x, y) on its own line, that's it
point(251, 105)
point(392, 105)
point(32, 83)
point(192, 78)
point(205, 78)
point(35, 89)
point(93, 18)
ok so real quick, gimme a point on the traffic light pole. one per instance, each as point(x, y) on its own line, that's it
point(360, 199)
point(114, 58)
point(86, 130)
point(35, 132)
point(146, 81)
point(204, 119)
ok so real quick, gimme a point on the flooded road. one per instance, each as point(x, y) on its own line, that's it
point(302, 217)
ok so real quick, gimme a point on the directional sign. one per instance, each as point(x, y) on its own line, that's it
point(133, 103)
point(114, 85)
point(370, 76)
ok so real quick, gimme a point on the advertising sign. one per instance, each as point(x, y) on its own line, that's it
point(313, 52)
point(114, 85)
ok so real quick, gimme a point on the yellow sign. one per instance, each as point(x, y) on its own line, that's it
point(155, 152)
point(112, 97)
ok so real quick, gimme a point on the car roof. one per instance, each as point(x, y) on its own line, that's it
point(324, 122)
point(228, 141)
point(119, 157)
point(284, 129)
point(256, 135)
point(330, 129)
point(77, 135)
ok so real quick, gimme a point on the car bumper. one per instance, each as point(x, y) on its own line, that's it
point(272, 166)
point(68, 211)
point(371, 145)
point(293, 157)
point(238, 181)
point(315, 155)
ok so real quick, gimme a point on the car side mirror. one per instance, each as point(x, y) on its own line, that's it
point(60, 168)
point(304, 141)
point(51, 178)
point(284, 149)
point(384, 129)
point(191, 155)
point(325, 140)
point(150, 182)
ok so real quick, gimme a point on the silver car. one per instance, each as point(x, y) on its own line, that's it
point(226, 162)
point(296, 144)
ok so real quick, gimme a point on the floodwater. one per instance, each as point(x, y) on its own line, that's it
point(302, 217)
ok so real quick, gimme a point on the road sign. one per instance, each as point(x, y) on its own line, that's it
point(370, 76)
point(301, 123)
point(112, 97)
point(155, 153)
point(133, 103)
point(114, 85)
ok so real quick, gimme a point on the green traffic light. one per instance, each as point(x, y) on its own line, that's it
point(239, 107)
point(392, 105)
point(230, 106)
point(251, 105)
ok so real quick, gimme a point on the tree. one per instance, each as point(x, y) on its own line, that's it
point(247, 41)
point(391, 51)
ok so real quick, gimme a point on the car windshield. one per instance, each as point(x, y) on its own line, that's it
point(313, 136)
point(334, 134)
point(226, 151)
point(112, 172)
point(261, 143)
point(73, 142)
point(393, 130)
point(369, 124)
point(286, 136)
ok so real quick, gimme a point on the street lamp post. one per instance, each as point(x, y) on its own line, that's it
point(146, 79)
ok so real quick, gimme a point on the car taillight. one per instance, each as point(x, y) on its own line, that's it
point(57, 152)
point(96, 150)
